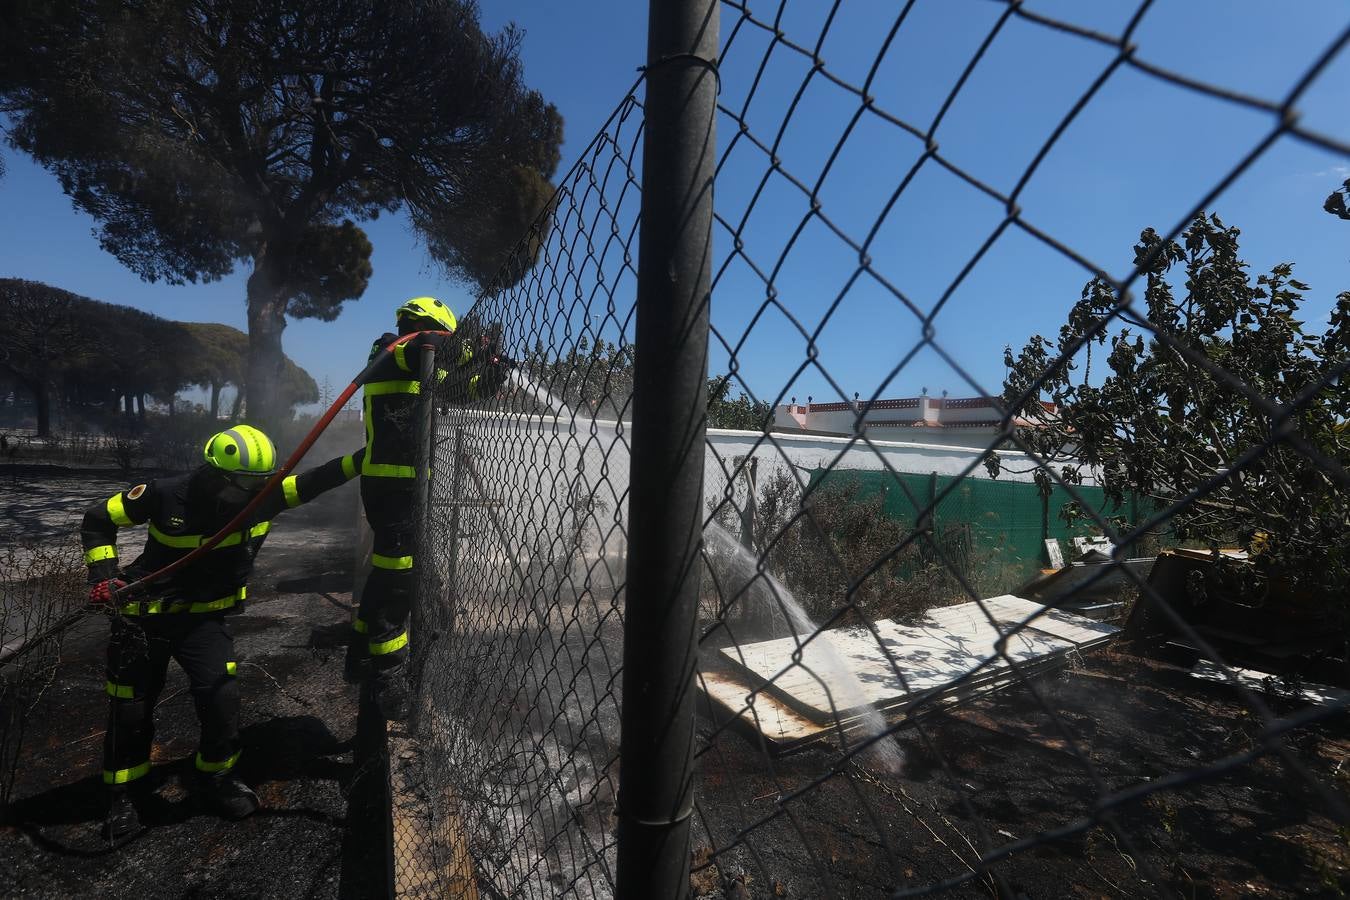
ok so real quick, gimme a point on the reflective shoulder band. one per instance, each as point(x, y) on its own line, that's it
point(117, 512)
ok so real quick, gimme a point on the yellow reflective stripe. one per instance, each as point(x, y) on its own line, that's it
point(98, 554)
point(401, 357)
point(465, 353)
point(290, 490)
point(349, 466)
point(380, 561)
point(223, 766)
point(122, 776)
point(156, 607)
point(473, 386)
point(378, 388)
point(386, 470)
point(441, 375)
point(216, 605)
point(192, 541)
point(117, 512)
point(386, 647)
point(231, 668)
point(120, 691)
point(181, 541)
point(359, 625)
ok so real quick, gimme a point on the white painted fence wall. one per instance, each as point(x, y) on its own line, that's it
point(537, 466)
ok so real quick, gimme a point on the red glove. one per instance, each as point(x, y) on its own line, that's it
point(104, 590)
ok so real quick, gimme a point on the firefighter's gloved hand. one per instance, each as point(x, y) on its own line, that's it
point(104, 591)
point(505, 362)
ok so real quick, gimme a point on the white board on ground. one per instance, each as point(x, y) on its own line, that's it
point(1008, 610)
point(1316, 694)
point(846, 670)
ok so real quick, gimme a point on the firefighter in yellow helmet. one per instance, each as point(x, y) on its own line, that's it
point(466, 370)
point(183, 617)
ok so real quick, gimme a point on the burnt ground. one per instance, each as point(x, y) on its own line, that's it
point(1003, 769)
point(994, 773)
point(317, 834)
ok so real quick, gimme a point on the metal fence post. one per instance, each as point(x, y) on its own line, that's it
point(669, 420)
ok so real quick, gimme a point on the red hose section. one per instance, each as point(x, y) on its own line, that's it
point(276, 479)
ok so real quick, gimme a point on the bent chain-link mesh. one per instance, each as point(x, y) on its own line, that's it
point(521, 645)
point(878, 717)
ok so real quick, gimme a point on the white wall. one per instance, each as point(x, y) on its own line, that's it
point(535, 466)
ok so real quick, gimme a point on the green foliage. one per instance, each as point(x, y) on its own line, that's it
point(833, 547)
point(593, 379)
point(41, 333)
point(742, 413)
point(1220, 391)
point(332, 265)
point(58, 345)
point(199, 135)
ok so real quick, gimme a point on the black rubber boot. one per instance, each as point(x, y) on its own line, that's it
point(357, 664)
point(389, 690)
point(122, 820)
point(226, 796)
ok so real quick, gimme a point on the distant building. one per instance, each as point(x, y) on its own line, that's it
point(961, 422)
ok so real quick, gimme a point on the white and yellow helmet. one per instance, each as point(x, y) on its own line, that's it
point(430, 310)
point(241, 450)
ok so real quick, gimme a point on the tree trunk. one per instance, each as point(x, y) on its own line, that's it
point(215, 400)
point(267, 299)
point(237, 407)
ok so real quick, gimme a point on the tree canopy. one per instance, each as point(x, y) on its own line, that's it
point(741, 413)
point(56, 344)
point(1216, 404)
point(202, 133)
point(41, 333)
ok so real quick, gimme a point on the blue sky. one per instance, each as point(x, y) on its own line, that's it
point(1141, 154)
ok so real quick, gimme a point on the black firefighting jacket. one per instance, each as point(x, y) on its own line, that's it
point(182, 513)
point(390, 400)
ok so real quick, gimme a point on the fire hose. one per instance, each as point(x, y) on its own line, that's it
point(121, 595)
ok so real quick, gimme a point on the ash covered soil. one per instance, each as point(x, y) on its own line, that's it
point(315, 836)
point(1004, 769)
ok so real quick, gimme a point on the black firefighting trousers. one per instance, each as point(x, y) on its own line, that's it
point(382, 619)
point(138, 661)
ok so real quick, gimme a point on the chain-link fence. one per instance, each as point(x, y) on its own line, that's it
point(877, 713)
